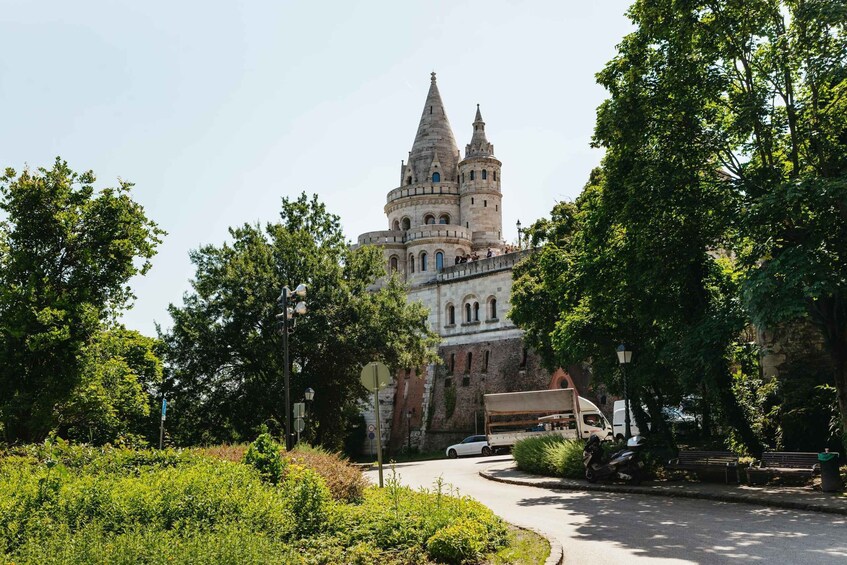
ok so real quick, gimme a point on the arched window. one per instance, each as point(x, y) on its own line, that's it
point(471, 175)
point(451, 315)
point(408, 180)
point(463, 177)
point(396, 225)
point(436, 177)
point(495, 175)
point(411, 263)
point(476, 311)
point(423, 261)
point(469, 363)
point(492, 309)
point(429, 219)
point(407, 223)
point(484, 174)
point(392, 264)
point(439, 261)
point(444, 219)
point(468, 312)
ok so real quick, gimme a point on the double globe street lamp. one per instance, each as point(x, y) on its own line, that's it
point(286, 302)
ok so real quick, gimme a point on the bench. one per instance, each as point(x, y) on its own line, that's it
point(790, 463)
point(720, 461)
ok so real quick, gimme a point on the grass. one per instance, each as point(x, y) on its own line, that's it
point(525, 547)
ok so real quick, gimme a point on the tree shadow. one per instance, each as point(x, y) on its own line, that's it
point(700, 531)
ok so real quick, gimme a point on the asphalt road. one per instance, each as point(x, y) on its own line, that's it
point(624, 528)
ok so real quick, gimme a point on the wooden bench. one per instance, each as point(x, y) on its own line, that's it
point(797, 463)
point(702, 461)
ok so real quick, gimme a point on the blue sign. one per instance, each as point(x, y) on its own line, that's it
point(164, 407)
point(371, 435)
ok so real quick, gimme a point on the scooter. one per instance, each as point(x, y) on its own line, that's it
point(624, 464)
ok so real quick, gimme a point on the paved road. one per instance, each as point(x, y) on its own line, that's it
point(622, 528)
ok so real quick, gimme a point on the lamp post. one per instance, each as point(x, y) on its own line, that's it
point(624, 357)
point(519, 234)
point(287, 315)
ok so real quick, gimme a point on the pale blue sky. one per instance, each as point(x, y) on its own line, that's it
point(218, 109)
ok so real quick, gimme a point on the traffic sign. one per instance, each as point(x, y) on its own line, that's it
point(299, 409)
point(371, 427)
point(375, 376)
point(371, 435)
point(299, 425)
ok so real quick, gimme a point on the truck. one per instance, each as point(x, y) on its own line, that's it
point(513, 416)
point(593, 420)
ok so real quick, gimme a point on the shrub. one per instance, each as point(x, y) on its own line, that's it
point(531, 454)
point(565, 458)
point(345, 481)
point(263, 454)
point(309, 500)
point(461, 542)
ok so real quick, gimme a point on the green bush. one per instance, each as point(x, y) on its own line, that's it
point(82, 505)
point(532, 454)
point(345, 481)
point(308, 499)
point(263, 454)
point(565, 458)
point(462, 542)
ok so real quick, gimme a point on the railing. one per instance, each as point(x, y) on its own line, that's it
point(422, 190)
point(381, 237)
point(443, 231)
point(438, 231)
point(481, 266)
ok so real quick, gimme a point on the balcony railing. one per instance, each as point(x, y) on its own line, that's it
point(482, 266)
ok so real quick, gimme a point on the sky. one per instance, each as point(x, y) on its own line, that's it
point(216, 110)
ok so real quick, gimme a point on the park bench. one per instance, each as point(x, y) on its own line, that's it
point(784, 463)
point(706, 461)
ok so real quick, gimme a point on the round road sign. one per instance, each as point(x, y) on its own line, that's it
point(371, 435)
point(371, 428)
point(375, 376)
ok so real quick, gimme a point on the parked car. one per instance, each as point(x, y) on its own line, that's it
point(471, 445)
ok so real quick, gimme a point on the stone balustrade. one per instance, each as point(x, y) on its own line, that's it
point(443, 231)
point(422, 190)
point(482, 266)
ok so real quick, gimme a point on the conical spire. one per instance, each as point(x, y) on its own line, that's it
point(479, 146)
point(434, 136)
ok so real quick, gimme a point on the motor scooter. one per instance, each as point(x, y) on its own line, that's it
point(625, 464)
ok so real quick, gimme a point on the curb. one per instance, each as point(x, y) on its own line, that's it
point(557, 554)
point(757, 501)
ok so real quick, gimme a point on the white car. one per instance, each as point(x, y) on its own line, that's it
point(471, 445)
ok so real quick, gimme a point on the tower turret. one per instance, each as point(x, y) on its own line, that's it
point(479, 189)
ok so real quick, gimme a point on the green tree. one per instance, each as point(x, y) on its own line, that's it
point(67, 253)
point(121, 374)
point(224, 351)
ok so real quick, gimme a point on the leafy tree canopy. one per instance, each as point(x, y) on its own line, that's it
point(224, 352)
point(67, 252)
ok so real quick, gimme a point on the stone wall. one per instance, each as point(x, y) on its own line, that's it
point(456, 396)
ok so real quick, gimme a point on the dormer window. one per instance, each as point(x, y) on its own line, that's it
point(436, 177)
point(408, 180)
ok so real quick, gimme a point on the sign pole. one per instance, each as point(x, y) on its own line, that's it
point(378, 431)
point(162, 423)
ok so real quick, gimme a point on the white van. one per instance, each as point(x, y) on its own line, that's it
point(618, 420)
point(593, 421)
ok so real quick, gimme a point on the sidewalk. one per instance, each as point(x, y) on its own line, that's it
point(793, 497)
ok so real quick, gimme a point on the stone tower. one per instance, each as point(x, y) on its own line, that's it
point(445, 206)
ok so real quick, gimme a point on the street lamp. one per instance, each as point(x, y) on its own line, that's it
point(624, 357)
point(284, 302)
point(519, 234)
point(309, 394)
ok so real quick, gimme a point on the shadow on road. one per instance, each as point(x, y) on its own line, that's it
point(732, 532)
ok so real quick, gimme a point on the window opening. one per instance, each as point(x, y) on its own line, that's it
point(485, 361)
point(476, 311)
point(411, 263)
point(484, 174)
point(436, 177)
point(451, 315)
point(493, 313)
point(471, 175)
point(470, 361)
point(423, 261)
point(439, 261)
point(468, 312)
